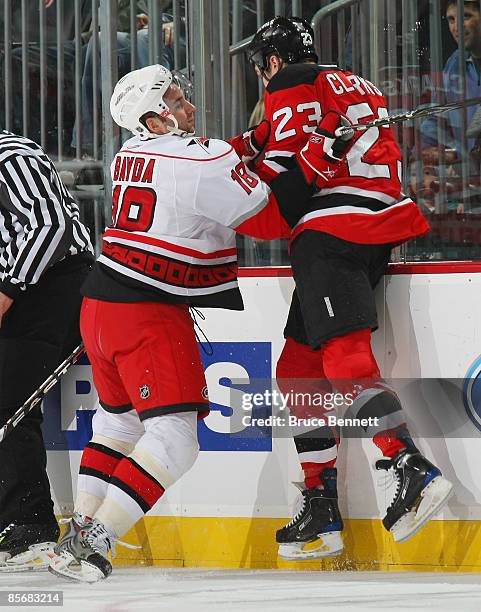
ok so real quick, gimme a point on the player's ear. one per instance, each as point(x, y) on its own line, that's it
point(155, 124)
point(275, 62)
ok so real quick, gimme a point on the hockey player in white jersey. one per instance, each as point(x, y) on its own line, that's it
point(178, 201)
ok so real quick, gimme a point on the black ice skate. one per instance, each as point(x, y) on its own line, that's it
point(315, 530)
point(82, 553)
point(27, 547)
point(421, 492)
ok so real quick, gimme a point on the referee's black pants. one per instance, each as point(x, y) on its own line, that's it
point(38, 332)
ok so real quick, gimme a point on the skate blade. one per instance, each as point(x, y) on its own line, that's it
point(433, 498)
point(328, 545)
point(67, 567)
point(36, 558)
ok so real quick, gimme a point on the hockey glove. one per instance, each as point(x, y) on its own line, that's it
point(251, 143)
point(321, 158)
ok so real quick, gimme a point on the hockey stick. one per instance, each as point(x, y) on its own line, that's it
point(417, 113)
point(39, 394)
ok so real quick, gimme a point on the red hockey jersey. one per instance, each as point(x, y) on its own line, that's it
point(363, 202)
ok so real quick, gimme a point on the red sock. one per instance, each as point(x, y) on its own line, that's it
point(389, 442)
point(313, 473)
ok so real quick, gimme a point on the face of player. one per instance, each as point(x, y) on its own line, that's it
point(181, 109)
point(472, 26)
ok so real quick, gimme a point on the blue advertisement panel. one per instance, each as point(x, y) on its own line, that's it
point(233, 369)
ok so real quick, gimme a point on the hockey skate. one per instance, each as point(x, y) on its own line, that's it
point(81, 554)
point(74, 524)
point(316, 528)
point(27, 547)
point(421, 492)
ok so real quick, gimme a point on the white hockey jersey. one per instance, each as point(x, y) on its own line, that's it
point(176, 203)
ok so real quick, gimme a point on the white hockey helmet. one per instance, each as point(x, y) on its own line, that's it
point(142, 91)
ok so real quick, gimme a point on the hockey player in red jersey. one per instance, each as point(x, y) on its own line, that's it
point(339, 251)
point(177, 202)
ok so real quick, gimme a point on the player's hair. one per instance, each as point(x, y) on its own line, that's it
point(147, 115)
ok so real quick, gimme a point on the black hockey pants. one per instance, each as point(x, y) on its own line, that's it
point(38, 332)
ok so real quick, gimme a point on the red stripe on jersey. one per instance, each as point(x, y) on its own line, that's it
point(146, 153)
point(139, 481)
point(97, 459)
point(175, 248)
point(394, 225)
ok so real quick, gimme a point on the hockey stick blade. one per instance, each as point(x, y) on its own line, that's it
point(417, 113)
point(40, 393)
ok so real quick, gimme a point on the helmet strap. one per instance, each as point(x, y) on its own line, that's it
point(264, 76)
point(172, 129)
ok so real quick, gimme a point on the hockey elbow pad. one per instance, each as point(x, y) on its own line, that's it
point(321, 158)
point(251, 143)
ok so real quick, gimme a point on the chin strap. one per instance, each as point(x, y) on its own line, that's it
point(175, 128)
point(172, 129)
point(181, 133)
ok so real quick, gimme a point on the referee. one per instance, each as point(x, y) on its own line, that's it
point(45, 253)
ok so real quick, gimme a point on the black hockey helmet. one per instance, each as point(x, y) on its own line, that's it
point(292, 39)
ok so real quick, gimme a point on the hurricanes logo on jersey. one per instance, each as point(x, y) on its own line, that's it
point(202, 142)
point(144, 392)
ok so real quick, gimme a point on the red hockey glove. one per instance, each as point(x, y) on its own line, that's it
point(321, 158)
point(251, 143)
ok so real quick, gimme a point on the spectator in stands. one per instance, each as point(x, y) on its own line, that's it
point(452, 135)
point(124, 46)
point(32, 128)
point(444, 134)
point(425, 188)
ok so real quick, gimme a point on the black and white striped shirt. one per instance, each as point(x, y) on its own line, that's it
point(39, 219)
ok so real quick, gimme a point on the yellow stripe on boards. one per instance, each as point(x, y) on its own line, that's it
point(250, 543)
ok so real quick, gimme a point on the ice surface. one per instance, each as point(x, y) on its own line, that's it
point(145, 589)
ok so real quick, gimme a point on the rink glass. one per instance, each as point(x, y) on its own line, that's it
point(57, 80)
